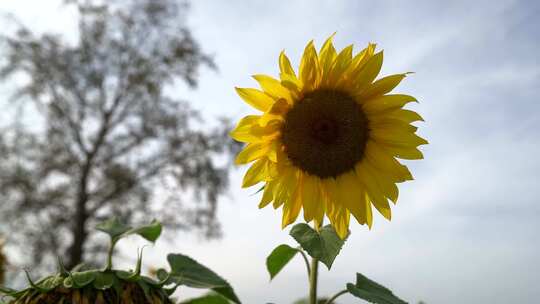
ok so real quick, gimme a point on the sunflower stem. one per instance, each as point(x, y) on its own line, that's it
point(313, 281)
point(109, 255)
point(314, 273)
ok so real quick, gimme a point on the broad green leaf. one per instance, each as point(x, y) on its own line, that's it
point(372, 292)
point(210, 298)
point(279, 258)
point(188, 272)
point(324, 245)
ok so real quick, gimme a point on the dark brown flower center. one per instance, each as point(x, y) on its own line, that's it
point(325, 133)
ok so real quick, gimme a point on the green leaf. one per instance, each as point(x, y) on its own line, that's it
point(210, 298)
point(188, 272)
point(150, 232)
point(117, 230)
point(279, 258)
point(372, 292)
point(113, 227)
point(324, 245)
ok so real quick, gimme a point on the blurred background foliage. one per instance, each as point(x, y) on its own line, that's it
point(108, 136)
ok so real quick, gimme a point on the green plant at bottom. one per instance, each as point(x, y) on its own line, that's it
point(109, 285)
point(323, 246)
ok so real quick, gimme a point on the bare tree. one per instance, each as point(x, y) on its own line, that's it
point(107, 139)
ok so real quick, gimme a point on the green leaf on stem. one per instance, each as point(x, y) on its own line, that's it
point(279, 258)
point(188, 272)
point(113, 227)
point(324, 245)
point(372, 292)
point(117, 230)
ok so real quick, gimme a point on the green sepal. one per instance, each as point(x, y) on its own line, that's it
point(104, 280)
point(128, 276)
point(372, 291)
point(51, 282)
point(61, 268)
point(279, 258)
point(324, 245)
point(84, 278)
point(155, 283)
point(34, 285)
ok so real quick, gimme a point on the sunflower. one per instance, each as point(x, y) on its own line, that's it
point(327, 138)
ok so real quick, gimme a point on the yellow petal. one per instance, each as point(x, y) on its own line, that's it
point(257, 99)
point(311, 196)
point(403, 152)
point(384, 162)
point(242, 132)
point(257, 133)
point(407, 116)
point(385, 183)
point(368, 73)
point(391, 124)
point(340, 65)
point(352, 195)
point(268, 194)
point(382, 86)
point(386, 103)
point(276, 112)
point(273, 87)
point(291, 208)
point(361, 58)
point(369, 212)
point(375, 194)
point(327, 55)
point(309, 68)
point(285, 187)
point(285, 65)
point(293, 85)
point(256, 173)
point(252, 152)
point(340, 219)
point(397, 138)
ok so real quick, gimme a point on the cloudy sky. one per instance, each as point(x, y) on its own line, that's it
point(466, 230)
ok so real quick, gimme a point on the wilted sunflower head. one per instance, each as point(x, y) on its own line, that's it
point(111, 286)
point(328, 137)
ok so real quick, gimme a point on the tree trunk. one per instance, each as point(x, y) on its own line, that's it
point(75, 251)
